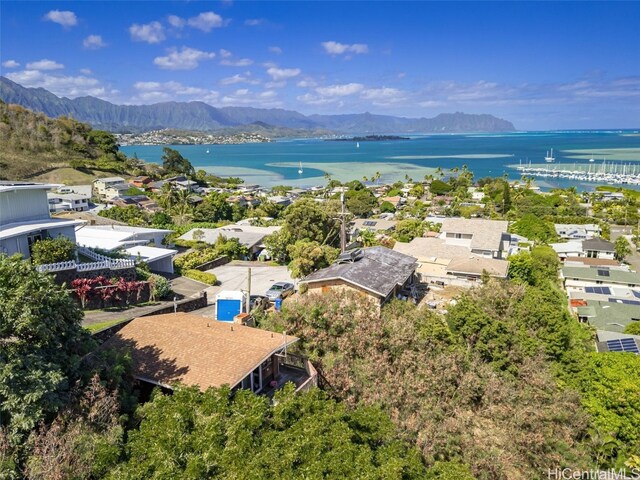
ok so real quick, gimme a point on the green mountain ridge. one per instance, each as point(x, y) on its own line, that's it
point(202, 116)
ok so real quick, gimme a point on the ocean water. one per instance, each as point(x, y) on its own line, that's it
point(492, 155)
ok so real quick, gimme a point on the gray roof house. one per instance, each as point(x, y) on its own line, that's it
point(378, 272)
point(484, 237)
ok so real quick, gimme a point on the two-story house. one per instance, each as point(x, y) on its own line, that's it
point(488, 238)
point(109, 187)
point(25, 217)
point(67, 202)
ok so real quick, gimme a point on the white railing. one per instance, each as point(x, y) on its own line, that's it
point(103, 262)
point(57, 267)
point(111, 263)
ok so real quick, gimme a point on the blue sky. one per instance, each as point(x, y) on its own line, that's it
point(542, 65)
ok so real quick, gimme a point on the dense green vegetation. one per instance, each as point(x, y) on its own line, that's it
point(33, 143)
point(52, 250)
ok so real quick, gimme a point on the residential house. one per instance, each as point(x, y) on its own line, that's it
point(182, 348)
point(377, 273)
point(141, 181)
point(598, 248)
point(571, 231)
point(579, 277)
point(442, 263)
point(25, 217)
point(101, 185)
point(377, 225)
point(113, 192)
point(488, 238)
point(67, 202)
point(617, 342)
point(396, 201)
point(590, 248)
point(137, 242)
point(248, 235)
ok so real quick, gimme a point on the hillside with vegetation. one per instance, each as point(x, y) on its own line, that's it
point(33, 144)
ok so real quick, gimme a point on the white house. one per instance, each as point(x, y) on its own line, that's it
point(488, 238)
point(577, 232)
point(25, 217)
point(67, 202)
point(101, 185)
point(133, 241)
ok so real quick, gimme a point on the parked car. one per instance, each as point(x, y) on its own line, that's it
point(279, 290)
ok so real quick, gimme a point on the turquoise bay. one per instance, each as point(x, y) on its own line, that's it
point(493, 155)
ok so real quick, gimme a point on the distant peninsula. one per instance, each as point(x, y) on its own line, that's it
point(368, 138)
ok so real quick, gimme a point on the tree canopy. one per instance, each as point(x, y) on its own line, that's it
point(174, 162)
point(41, 345)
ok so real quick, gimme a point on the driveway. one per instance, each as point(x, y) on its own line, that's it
point(233, 276)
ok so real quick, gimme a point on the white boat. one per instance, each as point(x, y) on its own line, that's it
point(357, 144)
point(591, 160)
point(300, 168)
point(549, 158)
point(207, 150)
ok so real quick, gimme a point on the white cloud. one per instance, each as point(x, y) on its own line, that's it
point(10, 64)
point(384, 95)
point(176, 21)
point(340, 90)
point(225, 53)
point(86, 71)
point(243, 96)
point(206, 21)
point(239, 78)
point(276, 50)
point(150, 32)
point(283, 73)
point(161, 91)
point(280, 84)
point(307, 83)
point(240, 62)
point(336, 48)
point(93, 42)
point(62, 85)
point(254, 22)
point(64, 18)
point(44, 64)
point(185, 59)
point(311, 99)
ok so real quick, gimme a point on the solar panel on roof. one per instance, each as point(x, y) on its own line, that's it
point(623, 345)
point(603, 273)
point(598, 290)
point(369, 223)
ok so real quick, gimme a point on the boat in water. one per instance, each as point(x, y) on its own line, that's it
point(357, 144)
point(549, 158)
point(300, 168)
point(207, 150)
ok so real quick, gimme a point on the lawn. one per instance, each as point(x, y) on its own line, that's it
point(96, 327)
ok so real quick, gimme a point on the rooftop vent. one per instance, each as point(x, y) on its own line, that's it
point(350, 256)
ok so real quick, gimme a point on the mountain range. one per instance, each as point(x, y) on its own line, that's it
point(202, 116)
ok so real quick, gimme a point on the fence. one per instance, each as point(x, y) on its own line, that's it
point(102, 262)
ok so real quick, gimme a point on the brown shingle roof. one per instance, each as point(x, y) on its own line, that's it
point(194, 350)
point(593, 261)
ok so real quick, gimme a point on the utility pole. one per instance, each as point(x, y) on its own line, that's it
point(248, 299)
point(343, 231)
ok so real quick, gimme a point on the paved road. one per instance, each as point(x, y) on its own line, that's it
point(184, 287)
point(233, 276)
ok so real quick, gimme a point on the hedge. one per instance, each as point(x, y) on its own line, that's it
point(204, 277)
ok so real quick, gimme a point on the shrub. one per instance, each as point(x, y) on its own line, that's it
point(195, 258)
point(160, 286)
point(53, 250)
point(204, 277)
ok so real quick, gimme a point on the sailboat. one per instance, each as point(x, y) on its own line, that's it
point(300, 168)
point(207, 150)
point(549, 158)
point(591, 160)
point(357, 144)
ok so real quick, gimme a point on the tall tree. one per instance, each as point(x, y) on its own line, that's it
point(174, 162)
point(41, 344)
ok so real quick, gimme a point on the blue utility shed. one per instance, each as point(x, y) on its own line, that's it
point(229, 304)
